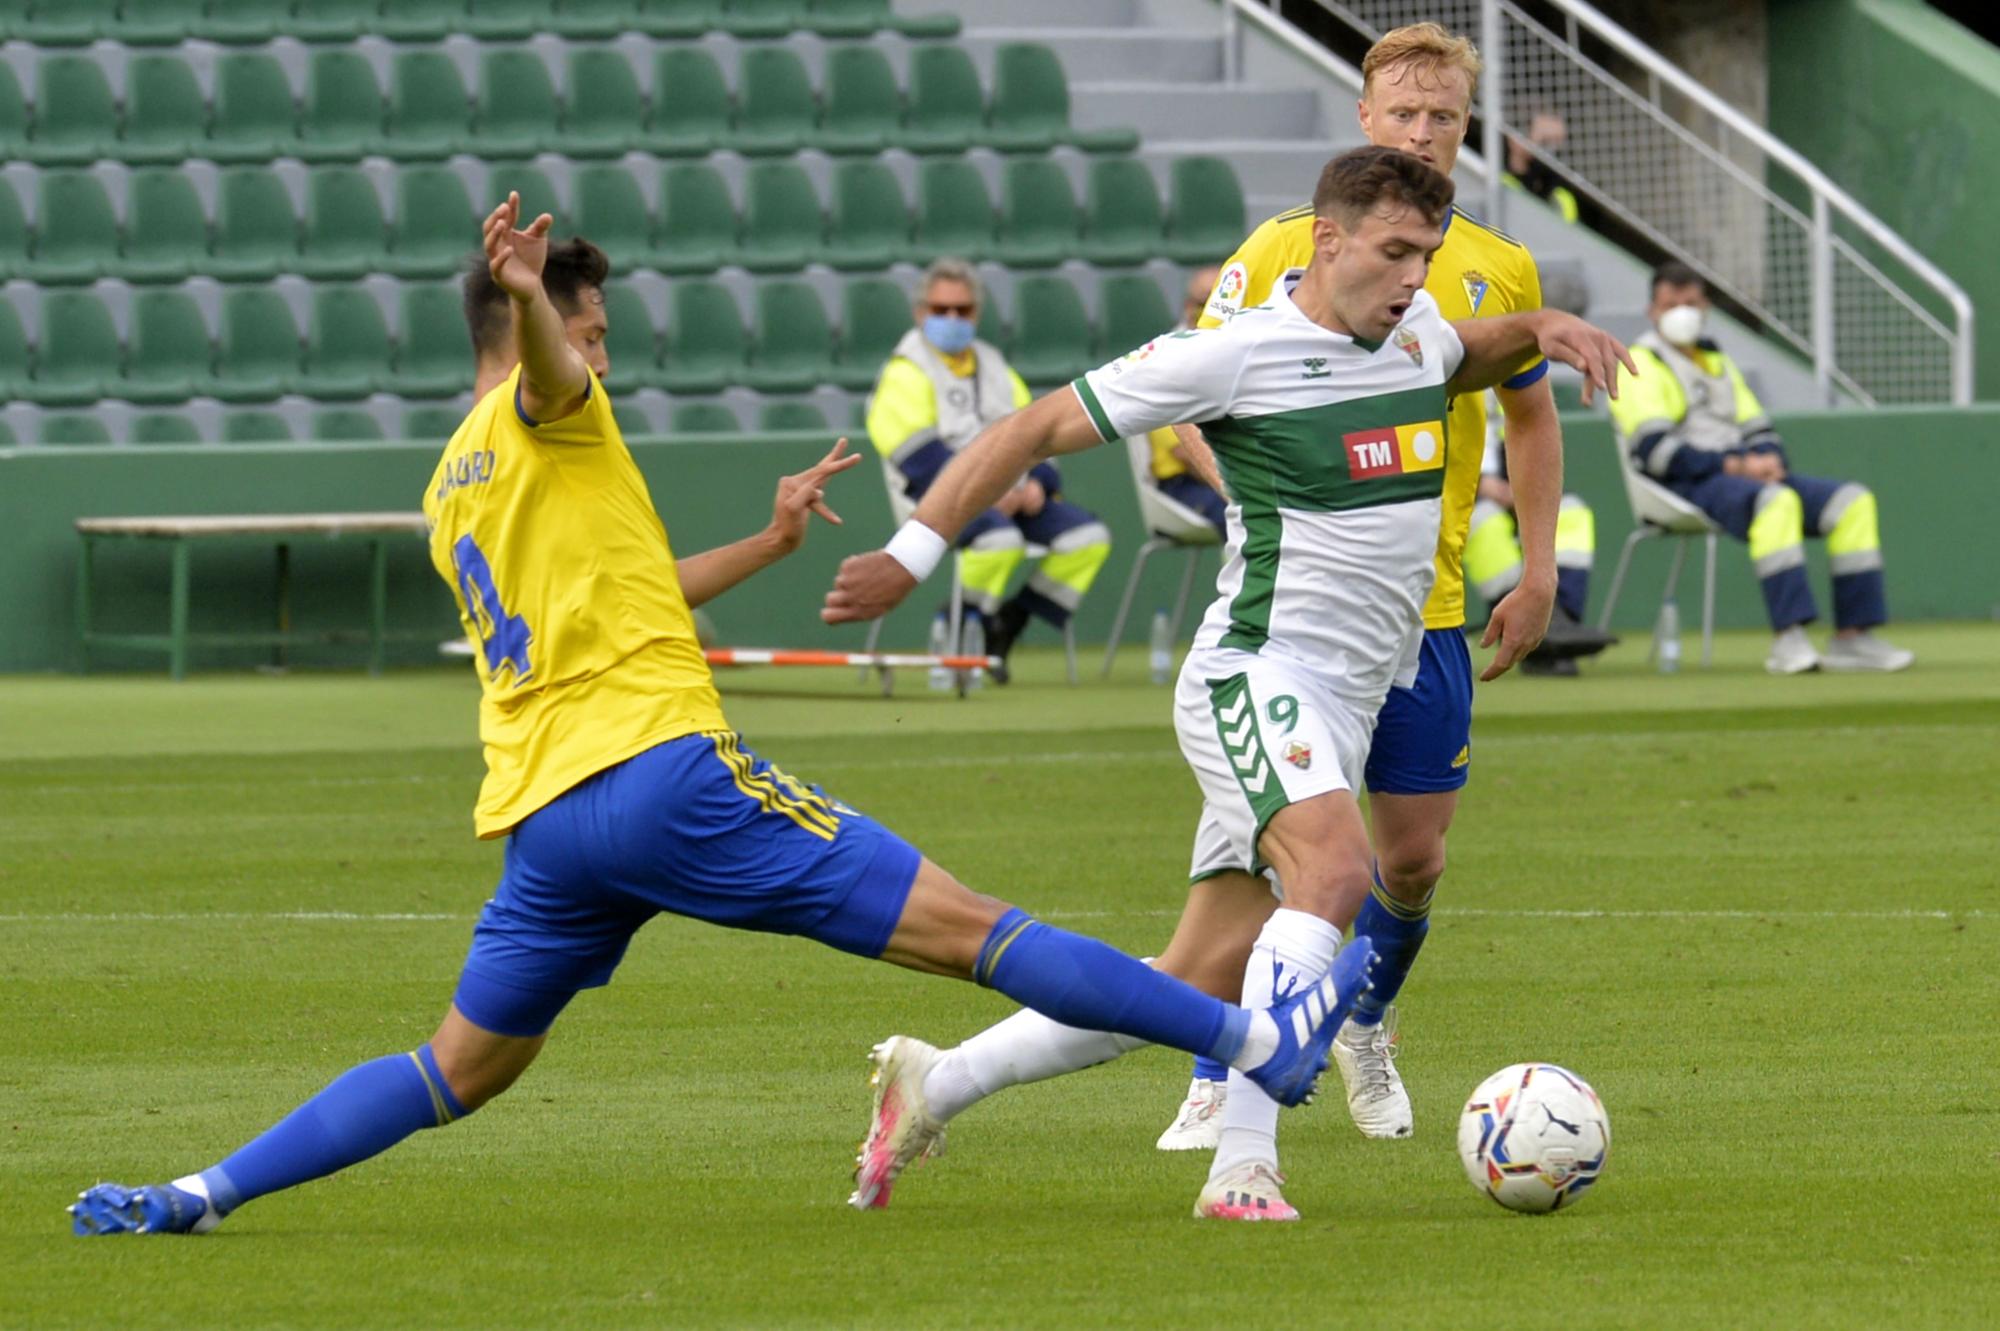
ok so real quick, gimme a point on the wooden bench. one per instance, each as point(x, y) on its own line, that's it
point(374, 529)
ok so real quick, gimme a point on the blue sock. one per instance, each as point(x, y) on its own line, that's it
point(1081, 982)
point(366, 1110)
point(1397, 930)
point(1207, 1069)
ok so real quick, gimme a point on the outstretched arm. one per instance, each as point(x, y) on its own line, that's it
point(712, 572)
point(1495, 348)
point(869, 586)
point(554, 379)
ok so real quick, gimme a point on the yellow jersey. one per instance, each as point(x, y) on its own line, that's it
point(1477, 271)
point(1165, 465)
point(547, 536)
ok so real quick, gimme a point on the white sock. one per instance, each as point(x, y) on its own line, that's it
point(193, 1183)
point(1294, 948)
point(1025, 1047)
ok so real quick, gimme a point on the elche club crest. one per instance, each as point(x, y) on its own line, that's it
point(1406, 342)
point(1299, 754)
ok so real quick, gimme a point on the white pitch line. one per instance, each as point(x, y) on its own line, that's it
point(397, 917)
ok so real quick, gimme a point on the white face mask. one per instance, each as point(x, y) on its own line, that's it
point(1682, 324)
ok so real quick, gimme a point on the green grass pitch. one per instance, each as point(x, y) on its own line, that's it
point(1761, 916)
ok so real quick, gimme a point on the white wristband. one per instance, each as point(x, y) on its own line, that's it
point(917, 548)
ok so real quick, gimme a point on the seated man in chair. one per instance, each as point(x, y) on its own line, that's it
point(941, 386)
point(1690, 422)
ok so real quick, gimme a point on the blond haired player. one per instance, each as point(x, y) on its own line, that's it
point(1416, 95)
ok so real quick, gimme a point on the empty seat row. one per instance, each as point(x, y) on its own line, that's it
point(347, 352)
point(165, 22)
point(359, 425)
point(429, 114)
point(692, 227)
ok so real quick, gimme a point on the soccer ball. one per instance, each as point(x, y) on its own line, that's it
point(1533, 1137)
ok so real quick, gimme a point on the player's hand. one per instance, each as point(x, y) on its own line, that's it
point(515, 257)
point(1517, 624)
point(867, 587)
point(1585, 348)
point(804, 494)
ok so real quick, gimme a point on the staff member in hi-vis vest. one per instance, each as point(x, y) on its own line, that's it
point(942, 385)
point(1689, 421)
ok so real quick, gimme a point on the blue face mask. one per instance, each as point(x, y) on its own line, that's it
point(948, 332)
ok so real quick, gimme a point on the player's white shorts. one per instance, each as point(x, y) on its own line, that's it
point(1260, 733)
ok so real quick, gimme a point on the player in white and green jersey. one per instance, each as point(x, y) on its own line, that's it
point(1326, 410)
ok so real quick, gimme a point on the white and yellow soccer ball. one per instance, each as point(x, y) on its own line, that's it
point(1533, 1137)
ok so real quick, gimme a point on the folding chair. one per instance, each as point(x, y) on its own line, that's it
point(1170, 525)
point(1658, 511)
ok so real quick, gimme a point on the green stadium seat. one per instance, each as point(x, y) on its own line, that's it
point(256, 232)
point(1133, 311)
point(76, 119)
point(166, 236)
point(630, 340)
point(435, 223)
point(1205, 215)
point(698, 230)
point(344, 108)
point(429, 110)
point(992, 329)
point(432, 423)
point(537, 191)
point(791, 416)
point(67, 22)
point(418, 20)
point(16, 240)
point(171, 357)
point(15, 362)
point(794, 350)
point(346, 425)
point(166, 119)
point(157, 22)
point(433, 350)
point(871, 222)
point(611, 211)
point(345, 235)
point(256, 427)
point(1124, 222)
point(78, 351)
point(13, 114)
point(632, 422)
point(255, 116)
point(705, 343)
point(864, 107)
point(1030, 110)
point(954, 211)
point(242, 22)
point(1038, 216)
point(165, 427)
point(874, 315)
point(690, 104)
point(76, 427)
point(592, 19)
point(503, 20)
point(783, 228)
point(348, 349)
point(331, 20)
point(518, 110)
point(704, 418)
point(763, 18)
point(947, 111)
point(1051, 331)
point(76, 233)
point(776, 111)
point(259, 353)
point(606, 114)
point(861, 18)
point(678, 18)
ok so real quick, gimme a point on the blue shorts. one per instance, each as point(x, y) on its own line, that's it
point(1423, 739)
point(697, 826)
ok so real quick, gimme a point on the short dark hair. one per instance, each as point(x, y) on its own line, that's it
point(1352, 184)
point(574, 266)
point(1674, 273)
